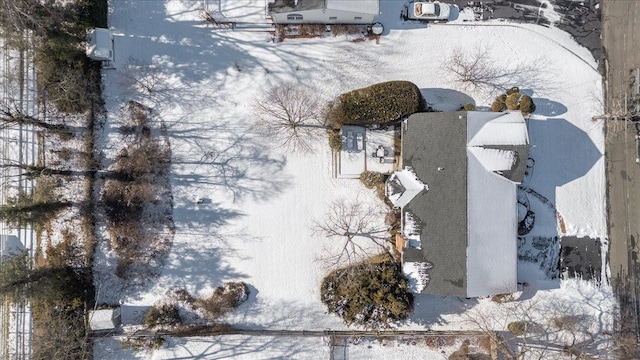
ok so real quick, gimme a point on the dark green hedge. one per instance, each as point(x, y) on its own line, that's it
point(381, 103)
point(373, 295)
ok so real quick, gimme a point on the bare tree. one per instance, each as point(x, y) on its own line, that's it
point(290, 113)
point(532, 329)
point(143, 77)
point(476, 70)
point(355, 227)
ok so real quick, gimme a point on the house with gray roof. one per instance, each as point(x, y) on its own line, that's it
point(457, 191)
point(324, 11)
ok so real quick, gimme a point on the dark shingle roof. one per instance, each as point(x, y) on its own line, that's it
point(431, 141)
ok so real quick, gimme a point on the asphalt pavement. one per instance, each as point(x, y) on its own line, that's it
point(621, 47)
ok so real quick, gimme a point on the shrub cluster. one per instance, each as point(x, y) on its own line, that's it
point(513, 100)
point(162, 315)
point(369, 294)
point(375, 180)
point(381, 103)
point(224, 299)
point(132, 185)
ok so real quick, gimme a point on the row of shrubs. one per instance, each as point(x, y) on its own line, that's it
point(513, 100)
point(132, 184)
point(224, 299)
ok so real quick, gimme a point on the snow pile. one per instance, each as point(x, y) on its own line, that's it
point(411, 230)
point(418, 275)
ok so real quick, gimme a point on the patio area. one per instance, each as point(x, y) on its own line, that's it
point(364, 150)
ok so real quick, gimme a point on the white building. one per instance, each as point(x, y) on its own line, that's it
point(324, 11)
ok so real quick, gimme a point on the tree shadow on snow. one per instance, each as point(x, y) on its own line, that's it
point(546, 107)
point(431, 310)
point(228, 347)
point(446, 99)
point(560, 153)
point(239, 164)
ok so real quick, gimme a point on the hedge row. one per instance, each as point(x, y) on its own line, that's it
point(381, 103)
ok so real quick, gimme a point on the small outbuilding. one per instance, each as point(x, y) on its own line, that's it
point(324, 11)
point(104, 319)
point(100, 45)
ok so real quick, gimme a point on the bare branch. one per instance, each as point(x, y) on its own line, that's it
point(289, 113)
point(475, 70)
point(354, 226)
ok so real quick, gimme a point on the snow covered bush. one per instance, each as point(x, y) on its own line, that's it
point(372, 294)
point(224, 299)
point(142, 343)
point(162, 315)
point(381, 103)
point(513, 100)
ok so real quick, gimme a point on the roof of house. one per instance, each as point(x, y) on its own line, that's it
point(285, 6)
point(356, 6)
point(470, 162)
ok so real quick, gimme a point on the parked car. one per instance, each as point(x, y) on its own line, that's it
point(422, 10)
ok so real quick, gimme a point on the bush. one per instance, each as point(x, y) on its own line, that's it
point(370, 294)
point(381, 103)
point(224, 299)
point(498, 106)
point(335, 141)
point(469, 107)
point(513, 100)
point(142, 343)
point(526, 105)
point(375, 180)
point(513, 90)
point(162, 315)
point(343, 29)
point(517, 328)
point(372, 179)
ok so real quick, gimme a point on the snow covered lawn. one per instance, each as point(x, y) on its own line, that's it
point(259, 201)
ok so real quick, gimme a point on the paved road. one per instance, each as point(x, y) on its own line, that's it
point(621, 41)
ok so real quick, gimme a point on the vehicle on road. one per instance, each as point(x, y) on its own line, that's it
point(423, 10)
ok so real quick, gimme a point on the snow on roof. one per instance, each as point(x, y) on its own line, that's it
point(494, 159)
point(99, 44)
point(411, 230)
point(359, 6)
point(409, 187)
point(485, 128)
point(492, 231)
point(105, 319)
point(418, 275)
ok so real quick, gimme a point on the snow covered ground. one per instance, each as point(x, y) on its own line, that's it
point(260, 200)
